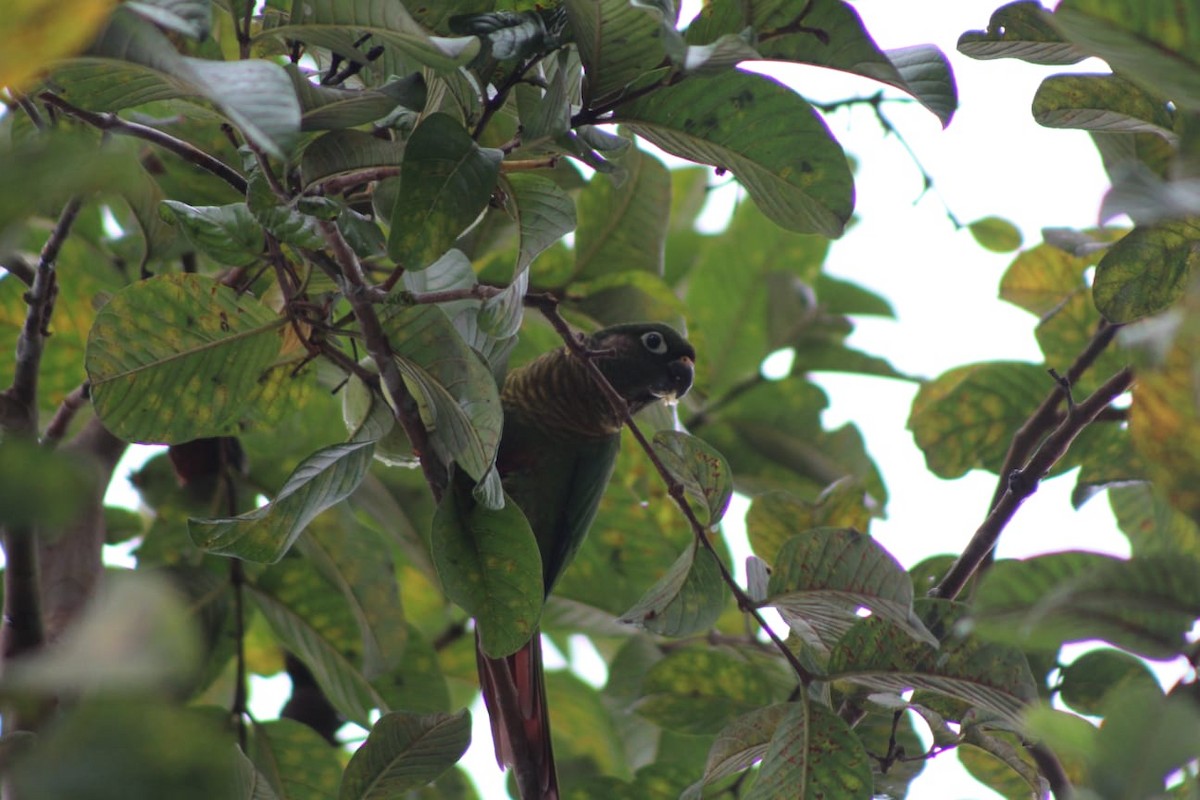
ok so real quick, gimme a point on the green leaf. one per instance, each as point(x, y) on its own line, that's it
point(703, 471)
point(1001, 762)
point(310, 619)
point(109, 748)
point(41, 487)
point(585, 727)
point(349, 557)
point(144, 613)
point(192, 18)
point(1145, 738)
point(1101, 103)
point(1147, 270)
point(728, 308)
point(614, 569)
point(1098, 674)
point(1151, 523)
point(924, 72)
point(1020, 30)
point(828, 33)
point(1043, 277)
point(346, 151)
point(177, 357)
point(996, 234)
point(228, 234)
point(1154, 45)
point(265, 534)
point(700, 689)
point(775, 517)
point(813, 754)
point(403, 752)
point(877, 654)
point(965, 418)
point(490, 565)
point(624, 227)
point(688, 598)
point(1145, 605)
point(739, 745)
point(254, 94)
point(772, 436)
point(297, 762)
point(249, 782)
point(544, 214)
point(823, 576)
point(339, 24)
point(455, 391)
point(618, 42)
point(334, 108)
point(766, 135)
point(446, 182)
point(418, 683)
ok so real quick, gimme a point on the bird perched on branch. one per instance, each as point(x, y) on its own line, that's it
point(560, 441)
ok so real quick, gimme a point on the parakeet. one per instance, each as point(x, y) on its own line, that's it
point(557, 451)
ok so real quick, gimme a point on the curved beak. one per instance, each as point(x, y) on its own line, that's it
point(676, 381)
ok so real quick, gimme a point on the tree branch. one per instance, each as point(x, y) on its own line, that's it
point(23, 627)
point(548, 306)
point(114, 124)
point(361, 296)
point(1046, 417)
point(1021, 483)
point(20, 410)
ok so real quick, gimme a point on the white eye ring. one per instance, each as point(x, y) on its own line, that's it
point(654, 342)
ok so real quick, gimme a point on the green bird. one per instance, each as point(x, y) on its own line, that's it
point(560, 441)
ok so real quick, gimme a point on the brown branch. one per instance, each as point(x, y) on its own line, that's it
point(21, 408)
point(114, 124)
point(479, 291)
point(1022, 483)
point(361, 297)
point(1046, 417)
point(66, 412)
point(528, 164)
point(1052, 770)
point(342, 183)
point(548, 306)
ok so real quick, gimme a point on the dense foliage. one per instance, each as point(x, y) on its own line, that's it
point(300, 244)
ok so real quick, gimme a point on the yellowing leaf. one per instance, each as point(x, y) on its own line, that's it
point(38, 32)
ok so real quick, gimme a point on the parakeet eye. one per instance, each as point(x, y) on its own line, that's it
point(654, 342)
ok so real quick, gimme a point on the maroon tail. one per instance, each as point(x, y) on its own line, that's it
point(514, 690)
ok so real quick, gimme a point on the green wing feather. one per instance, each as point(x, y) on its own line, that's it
point(558, 483)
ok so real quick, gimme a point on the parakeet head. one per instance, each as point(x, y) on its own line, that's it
point(645, 361)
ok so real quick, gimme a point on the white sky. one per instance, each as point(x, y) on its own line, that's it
point(992, 160)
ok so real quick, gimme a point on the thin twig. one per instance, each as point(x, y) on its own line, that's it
point(1024, 482)
point(237, 578)
point(548, 306)
point(114, 124)
point(19, 268)
point(1052, 770)
point(66, 412)
point(244, 39)
point(341, 183)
